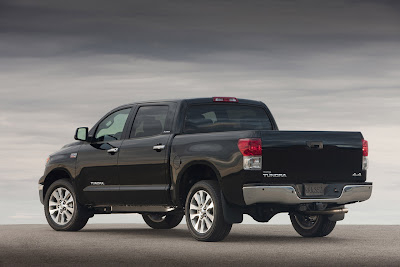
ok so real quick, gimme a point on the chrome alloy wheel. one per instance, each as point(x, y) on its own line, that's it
point(201, 211)
point(61, 206)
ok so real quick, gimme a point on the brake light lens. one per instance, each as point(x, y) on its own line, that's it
point(365, 155)
point(250, 147)
point(251, 150)
point(225, 99)
point(365, 147)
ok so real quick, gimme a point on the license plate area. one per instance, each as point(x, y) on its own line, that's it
point(314, 190)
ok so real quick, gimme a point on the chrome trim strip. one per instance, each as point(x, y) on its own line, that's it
point(144, 187)
point(123, 188)
point(287, 195)
point(101, 188)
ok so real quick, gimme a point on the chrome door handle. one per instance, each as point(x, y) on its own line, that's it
point(158, 148)
point(113, 150)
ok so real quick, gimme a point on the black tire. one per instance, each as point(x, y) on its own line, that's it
point(218, 228)
point(80, 216)
point(162, 221)
point(316, 226)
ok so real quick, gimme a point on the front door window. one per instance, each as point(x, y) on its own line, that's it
point(111, 128)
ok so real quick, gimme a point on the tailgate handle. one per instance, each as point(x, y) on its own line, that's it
point(315, 144)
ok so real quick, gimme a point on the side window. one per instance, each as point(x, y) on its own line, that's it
point(111, 128)
point(149, 121)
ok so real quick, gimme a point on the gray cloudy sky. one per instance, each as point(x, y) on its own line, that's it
point(319, 65)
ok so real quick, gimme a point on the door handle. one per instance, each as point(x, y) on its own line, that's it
point(113, 150)
point(158, 147)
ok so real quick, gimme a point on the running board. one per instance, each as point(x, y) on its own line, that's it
point(133, 209)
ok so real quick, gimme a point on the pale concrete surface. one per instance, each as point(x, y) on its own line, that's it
point(251, 245)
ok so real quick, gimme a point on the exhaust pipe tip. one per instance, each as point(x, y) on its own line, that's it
point(326, 212)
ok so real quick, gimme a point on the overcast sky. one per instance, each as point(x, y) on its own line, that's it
point(318, 65)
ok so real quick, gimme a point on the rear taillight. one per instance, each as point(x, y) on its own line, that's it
point(251, 150)
point(250, 147)
point(225, 99)
point(365, 147)
point(365, 155)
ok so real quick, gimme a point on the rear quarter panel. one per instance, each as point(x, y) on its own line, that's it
point(221, 153)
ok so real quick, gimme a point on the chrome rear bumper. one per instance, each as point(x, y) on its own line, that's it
point(287, 195)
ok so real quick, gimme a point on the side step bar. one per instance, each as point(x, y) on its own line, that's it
point(131, 209)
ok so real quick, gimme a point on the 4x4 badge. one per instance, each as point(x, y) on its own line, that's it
point(73, 155)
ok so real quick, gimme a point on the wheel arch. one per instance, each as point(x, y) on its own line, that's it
point(192, 173)
point(54, 175)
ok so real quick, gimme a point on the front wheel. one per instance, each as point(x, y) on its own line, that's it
point(62, 210)
point(204, 216)
point(162, 221)
point(312, 226)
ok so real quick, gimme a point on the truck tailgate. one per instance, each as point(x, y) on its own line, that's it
point(312, 157)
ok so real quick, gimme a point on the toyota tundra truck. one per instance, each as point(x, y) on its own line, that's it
point(210, 159)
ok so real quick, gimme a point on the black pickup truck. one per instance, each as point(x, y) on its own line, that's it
point(211, 159)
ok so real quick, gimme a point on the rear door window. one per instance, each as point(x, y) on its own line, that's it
point(220, 117)
point(149, 121)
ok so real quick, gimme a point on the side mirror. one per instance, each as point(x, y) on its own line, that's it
point(81, 134)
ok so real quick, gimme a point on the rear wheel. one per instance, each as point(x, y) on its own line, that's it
point(162, 221)
point(204, 216)
point(312, 226)
point(62, 210)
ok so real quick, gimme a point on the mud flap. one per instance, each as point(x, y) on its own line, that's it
point(232, 213)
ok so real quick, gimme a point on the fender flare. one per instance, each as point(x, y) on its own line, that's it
point(175, 193)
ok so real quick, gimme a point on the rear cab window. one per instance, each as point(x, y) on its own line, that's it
point(207, 118)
